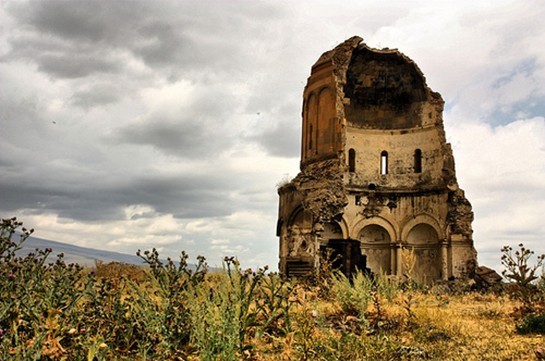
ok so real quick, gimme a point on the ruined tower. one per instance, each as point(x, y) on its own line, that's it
point(377, 184)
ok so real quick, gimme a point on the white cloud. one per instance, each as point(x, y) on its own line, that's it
point(502, 169)
point(216, 242)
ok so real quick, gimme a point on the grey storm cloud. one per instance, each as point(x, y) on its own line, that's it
point(96, 95)
point(91, 34)
point(80, 203)
point(171, 35)
point(89, 44)
point(185, 196)
point(164, 44)
point(75, 65)
point(93, 21)
point(181, 139)
point(281, 141)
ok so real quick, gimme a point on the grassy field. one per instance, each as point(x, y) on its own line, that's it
point(53, 311)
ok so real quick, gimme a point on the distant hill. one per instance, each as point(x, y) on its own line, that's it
point(76, 254)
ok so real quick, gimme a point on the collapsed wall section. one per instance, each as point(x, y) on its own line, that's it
point(385, 91)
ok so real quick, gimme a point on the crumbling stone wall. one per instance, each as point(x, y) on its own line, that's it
point(376, 169)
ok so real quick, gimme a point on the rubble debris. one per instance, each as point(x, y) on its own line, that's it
point(487, 277)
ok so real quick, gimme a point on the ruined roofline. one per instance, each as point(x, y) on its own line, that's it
point(341, 55)
point(347, 47)
point(288, 187)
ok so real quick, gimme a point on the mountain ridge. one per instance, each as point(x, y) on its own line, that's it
point(83, 256)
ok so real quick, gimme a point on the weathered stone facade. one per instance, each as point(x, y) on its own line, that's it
point(377, 181)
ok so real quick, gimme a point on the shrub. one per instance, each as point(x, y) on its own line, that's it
point(519, 270)
point(517, 267)
point(532, 324)
point(39, 300)
point(353, 296)
point(234, 306)
point(175, 284)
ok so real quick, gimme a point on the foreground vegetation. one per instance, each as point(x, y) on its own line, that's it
point(169, 311)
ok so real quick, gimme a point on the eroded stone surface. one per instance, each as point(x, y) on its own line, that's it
point(376, 169)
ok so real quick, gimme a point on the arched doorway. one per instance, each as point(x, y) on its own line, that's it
point(342, 254)
point(299, 234)
point(297, 245)
point(376, 246)
point(423, 241)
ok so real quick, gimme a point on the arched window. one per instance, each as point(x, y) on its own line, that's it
point(384, 162)
point(351, 160)
point(418, 161)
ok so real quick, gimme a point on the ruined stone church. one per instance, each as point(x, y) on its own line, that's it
point(377, 179)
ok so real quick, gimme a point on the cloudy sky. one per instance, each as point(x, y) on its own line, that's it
point(168, 124)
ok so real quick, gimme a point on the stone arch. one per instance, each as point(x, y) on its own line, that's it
point(305, 130)
point(373, 233)
point(417, 161)
point(332, 230)
point(298, 215)
point(362, 222)
point(311, 123)
point(343, 223)
point(377, 235)
point(351, 160)
point(376, 245)
point(423, 235)
point(279, 226)
point(424, 243)
point(384, 162)
point(326, 121)
point(421, 218)
point(299, 238)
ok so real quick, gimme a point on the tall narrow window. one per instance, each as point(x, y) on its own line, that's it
point(418, 161)
point(384, 162)
point(310, 138)
point(352, 160)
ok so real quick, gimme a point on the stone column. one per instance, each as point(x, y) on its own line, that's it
point(444, 260)
point(399, 259)
point(393, 258)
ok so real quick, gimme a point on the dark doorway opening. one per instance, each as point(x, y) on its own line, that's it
point(344, 255)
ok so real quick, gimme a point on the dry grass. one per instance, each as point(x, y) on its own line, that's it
point(477, 327)
point(471, 326)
